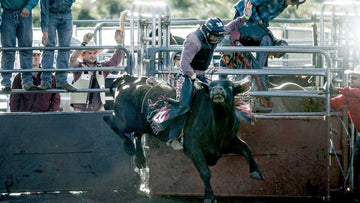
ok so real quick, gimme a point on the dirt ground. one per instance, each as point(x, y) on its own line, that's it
point(116, 196)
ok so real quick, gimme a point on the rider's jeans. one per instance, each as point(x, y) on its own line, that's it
point(62, 23)
point(176, 110)
point(14, 26)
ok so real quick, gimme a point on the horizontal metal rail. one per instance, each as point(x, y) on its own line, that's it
point(21, 91)
point(289, 93)
point(326, 72)
point(273, 71)
point(128, 67)
point(80, 69)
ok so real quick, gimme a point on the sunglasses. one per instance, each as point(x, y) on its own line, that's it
point(36, 54)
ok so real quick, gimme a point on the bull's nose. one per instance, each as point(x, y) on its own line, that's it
point(217, 89)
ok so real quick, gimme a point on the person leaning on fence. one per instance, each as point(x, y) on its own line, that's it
point(196, 55)
point(256, 32)
point(92, 79)
point(350, 97)
point(17, 24)
point(56, 19)
point(34, 102)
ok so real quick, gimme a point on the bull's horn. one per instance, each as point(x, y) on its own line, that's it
point(198, 84)
point(243, 85)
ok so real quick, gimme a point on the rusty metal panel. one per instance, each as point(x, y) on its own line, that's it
point(292, 153)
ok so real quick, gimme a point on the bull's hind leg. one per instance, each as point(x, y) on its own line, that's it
point(238, 146)
point(128, 144)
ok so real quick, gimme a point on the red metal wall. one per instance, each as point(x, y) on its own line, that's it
point(292, 153)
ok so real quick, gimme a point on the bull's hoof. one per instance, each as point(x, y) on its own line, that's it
point(210, 201)
point(257, 175)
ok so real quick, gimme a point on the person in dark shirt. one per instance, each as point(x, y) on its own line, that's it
point(34, 102)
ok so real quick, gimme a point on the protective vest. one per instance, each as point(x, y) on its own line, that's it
point(85, 82)
point(203, 58)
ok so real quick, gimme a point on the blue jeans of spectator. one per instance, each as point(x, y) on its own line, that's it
point(14, 26)
point(60, 24)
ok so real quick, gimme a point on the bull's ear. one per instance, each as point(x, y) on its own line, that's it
point(243, 85)
point(198, 84)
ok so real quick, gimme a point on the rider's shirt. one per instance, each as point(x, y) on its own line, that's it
point(193, 45)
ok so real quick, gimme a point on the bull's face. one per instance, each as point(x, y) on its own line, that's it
point(223, 90)
point(219, 90)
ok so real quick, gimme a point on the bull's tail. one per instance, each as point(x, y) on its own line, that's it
point(128, 144)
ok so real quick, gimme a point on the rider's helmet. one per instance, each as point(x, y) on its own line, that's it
point(213, 26)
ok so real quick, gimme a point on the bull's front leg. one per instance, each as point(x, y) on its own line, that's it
point(197, 157)
point(238, 146)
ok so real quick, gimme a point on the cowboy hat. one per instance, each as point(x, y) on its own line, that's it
point(90, 43)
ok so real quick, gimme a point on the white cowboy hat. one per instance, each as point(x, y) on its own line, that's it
point(90, 43)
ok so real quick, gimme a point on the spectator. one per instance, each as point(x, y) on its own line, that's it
point(176, 59)
point(92, 79)
point(34, 102)
point(257, 30)
point(17, 24)
point(56, 19)
point(350, 97)
point(256, 33)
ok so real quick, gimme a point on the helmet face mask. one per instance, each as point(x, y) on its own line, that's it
point(214, 30)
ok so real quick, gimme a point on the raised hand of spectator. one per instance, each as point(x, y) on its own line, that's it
point(120, 33)
point(87, 38)
point(119, 36)
point(248, 8)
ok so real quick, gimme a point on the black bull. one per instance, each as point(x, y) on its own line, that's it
point(210, 128)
